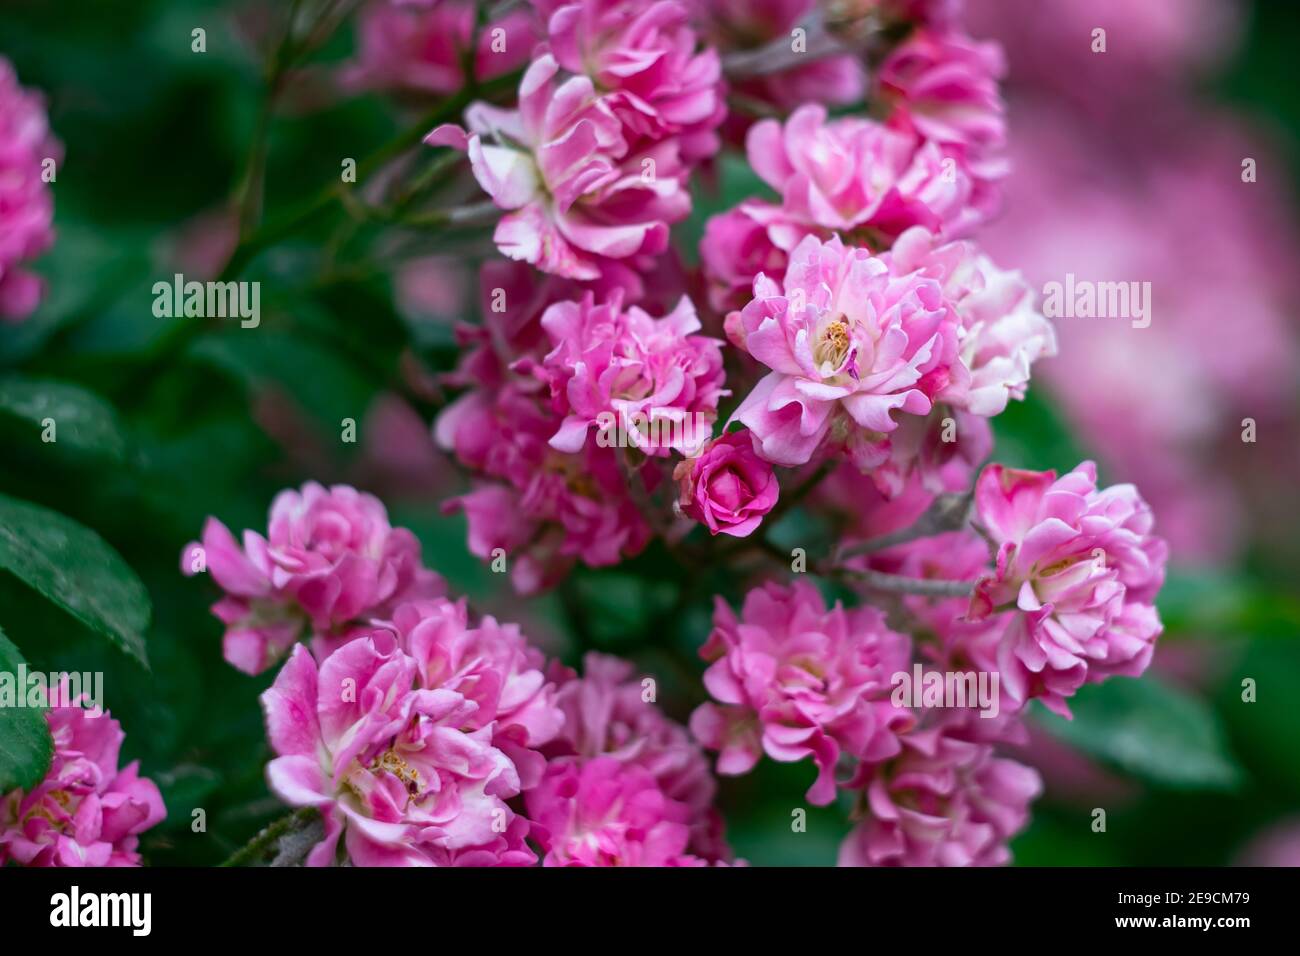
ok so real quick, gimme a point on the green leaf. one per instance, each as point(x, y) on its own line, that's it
point(26, 747)
point(81, 419)
point(1151, 731)
point(76, 569)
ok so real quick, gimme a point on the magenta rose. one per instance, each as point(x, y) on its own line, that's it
point(727, 486)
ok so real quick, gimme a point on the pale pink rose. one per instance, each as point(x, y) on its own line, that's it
point(26, 200)
point(657, 380)
point(649, 65)
point(87, 811)
point(403, 48)
point(606, 714)
point(944, 85)
point(606, 813)
point(400, 775)
point(1081, 567)
point(855, 175)
point(574, 191)
point(727, 487)
point(794, 680)
point(1002, 332)
point(849, 344)
point(943, 801)
point(329, 559)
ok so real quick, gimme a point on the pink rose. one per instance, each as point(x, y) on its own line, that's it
point(946, 88)
point(562, 168)
point(657, 77)
point(402, 775)
point(943, 801)
point(728, 487)
point(605, 813)
point(330, 558)
point(86, 812)
point(849, 344)
point(1080, 567)
point(606, 714)
point(657, 381)
point(852, 173)
point(26, 200)
point(794, 680)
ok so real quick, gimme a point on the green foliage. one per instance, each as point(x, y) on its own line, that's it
point(25, 744)
point(77, 570)
point(1150, 730)
point(81, 419)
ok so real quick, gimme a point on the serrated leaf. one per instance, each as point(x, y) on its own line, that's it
point(26, 747)
point(81, 419)
point(1151, 731)
point(76, 569)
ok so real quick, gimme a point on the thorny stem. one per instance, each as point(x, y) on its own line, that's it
point(260, 846)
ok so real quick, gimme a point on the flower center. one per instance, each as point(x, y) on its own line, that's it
point(61, 797)
point(391, 761)
point(832, 346)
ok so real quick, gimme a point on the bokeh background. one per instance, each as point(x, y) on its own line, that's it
point(1127, 167)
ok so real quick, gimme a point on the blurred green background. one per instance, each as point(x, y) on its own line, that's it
point(175, 423)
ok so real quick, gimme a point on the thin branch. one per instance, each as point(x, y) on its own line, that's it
point(898, 584)
point(288, 224)
point(946, 513)
point(780, 54)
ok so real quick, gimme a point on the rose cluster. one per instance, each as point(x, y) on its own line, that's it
point(1065, 600)
point(871, 341)
point(853, 340)
point(425, 738)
